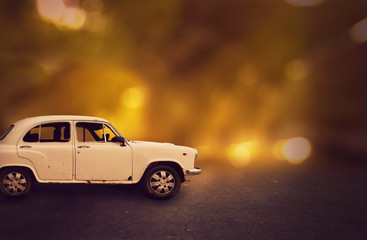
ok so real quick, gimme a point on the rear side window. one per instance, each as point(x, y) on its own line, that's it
point(50, 132)
point(6, 132)
point(32, 135)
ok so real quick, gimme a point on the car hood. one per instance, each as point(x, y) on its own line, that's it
point(154, 151)
point(150, 143)
point(158, 145)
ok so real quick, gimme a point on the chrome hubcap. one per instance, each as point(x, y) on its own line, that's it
point(162, 182)
point(14, 183)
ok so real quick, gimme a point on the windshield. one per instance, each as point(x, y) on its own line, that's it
point(6, 132)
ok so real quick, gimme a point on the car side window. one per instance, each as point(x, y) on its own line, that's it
point(55, 132)
point(89, 132)
point(32, 135)
point(49, 132)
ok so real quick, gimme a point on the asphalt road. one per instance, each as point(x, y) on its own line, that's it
point(274, 202)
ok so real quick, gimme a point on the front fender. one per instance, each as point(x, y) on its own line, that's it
point(139, 168)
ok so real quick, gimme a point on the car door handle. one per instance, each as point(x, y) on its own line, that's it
point(83, 146)
point(25, 146)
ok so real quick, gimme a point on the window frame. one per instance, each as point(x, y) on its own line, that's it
point(104, 124)
point(111, 129)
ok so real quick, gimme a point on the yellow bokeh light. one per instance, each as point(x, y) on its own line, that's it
point(297, 69)
point(74, 18)
point(241, 154)
point(296, 150)
point(133, 98)
point(305, 3)
point(51, 9)
point(358, 32)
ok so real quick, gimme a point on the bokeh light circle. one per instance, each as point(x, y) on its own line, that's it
point(133, 98)
point(358, 31)
point(296, 150)
point(51, 9)
point(240, 155)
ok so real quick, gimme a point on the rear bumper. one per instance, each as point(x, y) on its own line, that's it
point(194, 171)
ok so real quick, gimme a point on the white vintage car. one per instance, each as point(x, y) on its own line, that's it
point(79, 149)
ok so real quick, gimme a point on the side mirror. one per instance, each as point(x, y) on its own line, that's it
point(121, 140)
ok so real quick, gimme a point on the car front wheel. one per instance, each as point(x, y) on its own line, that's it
point(161, 182)
point(15, 182)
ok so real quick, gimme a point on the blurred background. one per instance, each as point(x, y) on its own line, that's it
point(243, 81)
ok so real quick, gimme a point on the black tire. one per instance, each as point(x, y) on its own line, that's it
point(15, 182)
point(161, 182)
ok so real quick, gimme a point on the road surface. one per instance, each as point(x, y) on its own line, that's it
point(273, 202)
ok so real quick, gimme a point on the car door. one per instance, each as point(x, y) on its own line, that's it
point(98, 157)
point(49, 147)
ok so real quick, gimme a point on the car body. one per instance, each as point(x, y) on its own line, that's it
point(81, 149)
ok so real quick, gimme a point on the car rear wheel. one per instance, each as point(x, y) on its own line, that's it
point(15, 182)
point(161, 182)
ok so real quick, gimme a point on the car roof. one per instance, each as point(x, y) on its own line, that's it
point(23, 125)
point(40, 119)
